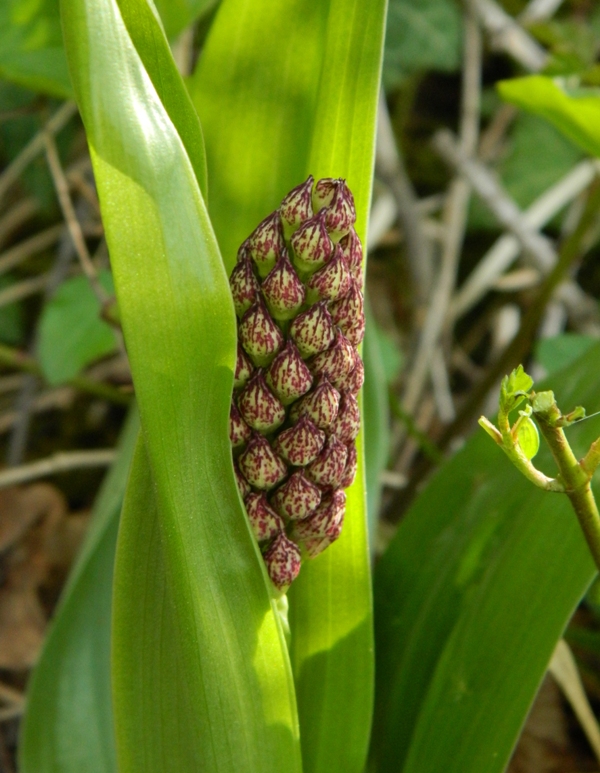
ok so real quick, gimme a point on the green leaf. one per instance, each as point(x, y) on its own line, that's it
point(556, 353)
point(211, 689)
point(176, 15)
point(283, 91)
point(421, 36)
point(471, 597)
point(31, 52)
point(68, 723)
point(575, 114)
point(528, 437)
point(72, 333)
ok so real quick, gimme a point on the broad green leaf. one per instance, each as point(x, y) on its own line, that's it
point(283, 92)
point(528, 437)
point(560, 351)
point(31, 52)
point(421, 36)
point(68, 725)
point(470, 599)
point(576, 113)
point(212, 684)
point(178, 14)
point(72, 332)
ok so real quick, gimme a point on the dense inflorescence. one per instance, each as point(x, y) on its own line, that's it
point(297, 290)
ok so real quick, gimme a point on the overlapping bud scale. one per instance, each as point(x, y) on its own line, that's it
point(297, 291)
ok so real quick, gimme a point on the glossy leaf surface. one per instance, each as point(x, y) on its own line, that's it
point(68, 723)
point(283, 92)
point(212, 686)
point(471, 598)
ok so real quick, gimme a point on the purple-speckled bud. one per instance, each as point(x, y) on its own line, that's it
point(320, 405)
point(356, 378)
point(341, 212)
point(283, 562)
point(330, 282)
point(300, 444)
point(325, 521)
point(348, 311)
point(260, 336)
point(288, 375)
point(352, 251)
point(260, 465)
point(297, 497)
point(351, 464)
point(259, 406)
point(323, 193)
point(244, 286)
point(313, 330)
point(243, 368)
point(311, 243)
point(265, 522)
point(265, 244)
point(296, 207)
point(356, 333)
point(242, 483)
point(336, 362)
point(347, 423)
point(328, 468)
point(239, 431)
point(283, 290)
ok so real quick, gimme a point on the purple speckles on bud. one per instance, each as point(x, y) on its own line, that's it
point(239, 431)
point(351, 464)
point(260, 336)
point(242, 483)
point(311, 243)
point(265, 522)
point(265, 244)
point(288, 376)
point(283, 562)
point(300, 444)
point(243, 368)
point(296, 207)
point(336, 362)
point(244, 286)
point(323, 193)
point(259, 406)
point(348, 311)
point(341, 212)
point(283, 290)
point(297, 497)
point(347, 423)
point(320, 405)
point(328, 468)
point(313, 330)
point(352, 252)
point(355, 333)
point(356, 378)
point(332, 281)
point(325, 523)
point(260, 465)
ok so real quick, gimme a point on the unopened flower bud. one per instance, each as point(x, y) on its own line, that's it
point(265, 244)
point(326, 520)
point(311, 243)
point(288, 375)
point(297, 498)
point(347, 311)
point(341, 212)
point(356, 332)
point(315, 546)
point(313, 330)
point(336, 362)
point(239, 431)
point(265, 522)
point(283, 290)
point(356, 378)
point(260, 336)
point(323, 193)
point(244, 286)
point(283, 561)
point(330, 282)
point(328, 468)
point(242, 483)
point(351, 464)
point(347, 423)
point(320, 405)
point(259, 406)
point(300, 444)
point(243, 368)
point(296, 207)
point(352, 252)
point(260, 465)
